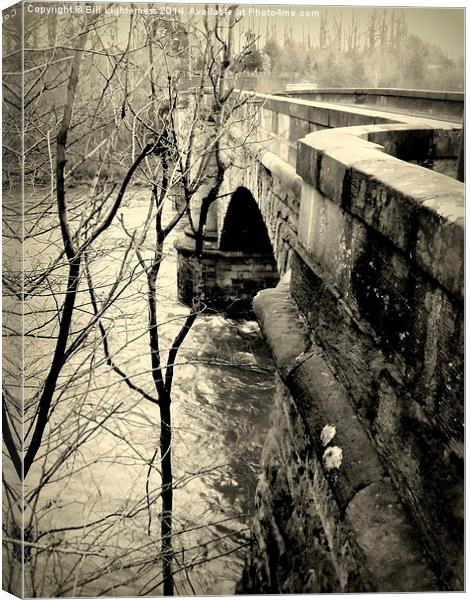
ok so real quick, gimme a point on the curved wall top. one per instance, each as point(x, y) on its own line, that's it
point(434, 102)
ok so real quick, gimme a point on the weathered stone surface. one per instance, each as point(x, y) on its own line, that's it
point(397, 373)
point(314, 146)
point(228, 280)
point(377, 520)
point(298, 128)
point(439, 248)
point(319, 463)
point(267, 119)
point(380, 194)
point(446, 142)
point(337, 163)
point(284, 332)
point(299, 542)
point(360, 476)
point(308, 163)
point(310, 113)
point(327, 234)
point(419, 211)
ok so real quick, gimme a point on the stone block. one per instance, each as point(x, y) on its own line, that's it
point(335, 170)
point(292, 154)
point(440, 240)
point(326, 233)
point(441, 379)
point(275, 146)
point(298, 128)
point(339, 117)
point(275, 117)
point(267, 119)
point(311, 112)
point(277, 104)
point(378, 195)
point(421, 212)
point(283, 126)
point(314, 146)
point(445, 166)
point(383, 533)
point(306, 211)
point(446, 142)
point(284, 149)
point(307, 163)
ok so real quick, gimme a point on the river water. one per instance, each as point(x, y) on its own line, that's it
point(223, 389)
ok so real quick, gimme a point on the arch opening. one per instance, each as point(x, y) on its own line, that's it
point(244, 229)
point(231, 272)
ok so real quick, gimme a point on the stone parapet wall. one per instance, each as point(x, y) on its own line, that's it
point(363, 470)
point(378, 274)
point(283, 121)
point(420, 212)
point(423, 101)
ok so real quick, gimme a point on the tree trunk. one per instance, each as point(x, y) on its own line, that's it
point(167, 494)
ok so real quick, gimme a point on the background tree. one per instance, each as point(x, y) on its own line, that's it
point(272, 50)
point(253, 62)
point(378, 53)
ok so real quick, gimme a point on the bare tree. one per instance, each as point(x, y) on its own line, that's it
point(99, 114)
point(61, 231)
point(196, 171)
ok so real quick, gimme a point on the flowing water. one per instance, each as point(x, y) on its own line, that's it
point(222, 393)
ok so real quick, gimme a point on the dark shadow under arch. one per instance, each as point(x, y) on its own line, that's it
point(244, 229)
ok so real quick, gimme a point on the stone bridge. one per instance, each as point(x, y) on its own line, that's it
point(348, 222)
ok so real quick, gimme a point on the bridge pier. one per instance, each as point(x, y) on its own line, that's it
point(228, 279)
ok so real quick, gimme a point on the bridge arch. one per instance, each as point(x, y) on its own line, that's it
point(243, 228)
point(236, 265)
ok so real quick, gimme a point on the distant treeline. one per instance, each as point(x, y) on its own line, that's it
point(382, 54)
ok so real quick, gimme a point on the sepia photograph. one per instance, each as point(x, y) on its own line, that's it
point(233, 299)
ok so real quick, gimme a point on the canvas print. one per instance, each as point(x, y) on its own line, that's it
point(233, 251)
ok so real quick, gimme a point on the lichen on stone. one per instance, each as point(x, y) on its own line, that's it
point(332, 458)
point(327, 434)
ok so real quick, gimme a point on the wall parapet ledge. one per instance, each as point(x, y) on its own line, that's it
point(419, 211)
point(396, 92)
point(364, 500)
point(283, 171)
point(446, 104)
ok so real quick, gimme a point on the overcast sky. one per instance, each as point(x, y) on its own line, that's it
point(442, 26)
